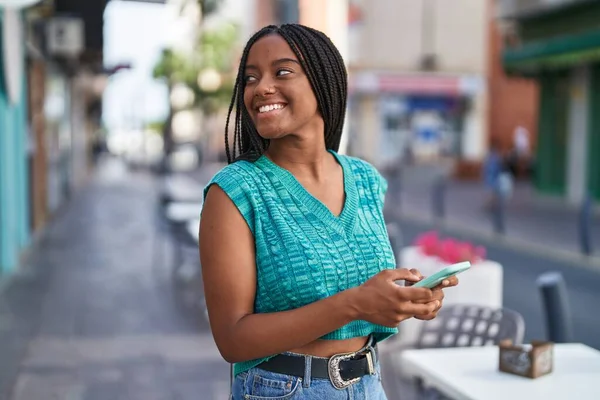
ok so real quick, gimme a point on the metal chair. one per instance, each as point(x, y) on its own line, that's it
point(458, 325)
point(462, 325)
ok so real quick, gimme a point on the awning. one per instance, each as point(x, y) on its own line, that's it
point(556, 53)
point(416, 84)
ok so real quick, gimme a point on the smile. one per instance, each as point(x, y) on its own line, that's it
point(270, 107)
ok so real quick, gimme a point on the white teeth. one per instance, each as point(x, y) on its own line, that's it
point(270, 107)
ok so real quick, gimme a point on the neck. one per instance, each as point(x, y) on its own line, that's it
point(304, 159)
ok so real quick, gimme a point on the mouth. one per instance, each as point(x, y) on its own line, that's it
point(270, 109)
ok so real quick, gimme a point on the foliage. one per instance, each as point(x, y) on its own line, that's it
point(173, 68)
point(156, 126)
point(215, 49)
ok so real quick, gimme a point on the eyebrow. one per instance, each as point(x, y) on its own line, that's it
point(278, 61)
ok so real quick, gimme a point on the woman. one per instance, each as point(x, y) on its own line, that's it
point(298, 270)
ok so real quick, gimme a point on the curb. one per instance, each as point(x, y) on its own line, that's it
point(577, 259)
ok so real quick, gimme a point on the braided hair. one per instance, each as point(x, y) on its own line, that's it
point(326, 72)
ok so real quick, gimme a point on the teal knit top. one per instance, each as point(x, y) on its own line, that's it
point(304, 253)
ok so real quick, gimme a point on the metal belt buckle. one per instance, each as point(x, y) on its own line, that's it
point(370, 357)
point(333, 368)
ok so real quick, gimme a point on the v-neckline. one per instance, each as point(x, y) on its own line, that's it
point(346, 217)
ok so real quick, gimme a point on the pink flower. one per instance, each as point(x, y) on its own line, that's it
point(480, 253)
point(449, 250)
point(428, 243)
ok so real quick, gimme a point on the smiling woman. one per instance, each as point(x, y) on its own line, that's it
point(298, 269)
point(323, 75)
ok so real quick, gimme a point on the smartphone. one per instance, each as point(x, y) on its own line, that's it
point(437, 278)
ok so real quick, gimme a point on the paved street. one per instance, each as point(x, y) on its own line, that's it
point(92, 316)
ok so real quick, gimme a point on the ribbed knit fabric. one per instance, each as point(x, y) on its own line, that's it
point(304, 253)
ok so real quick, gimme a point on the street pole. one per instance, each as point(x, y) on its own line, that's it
point(585, 226)
point(438, 198)
point(498, 211)
point(557, 311)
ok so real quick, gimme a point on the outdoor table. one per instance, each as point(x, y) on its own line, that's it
point(471, 373)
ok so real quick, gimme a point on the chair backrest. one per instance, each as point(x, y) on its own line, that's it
point(464, 325)
point(556, 307)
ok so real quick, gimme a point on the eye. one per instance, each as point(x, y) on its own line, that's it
point(250, 78)
point(282, 72)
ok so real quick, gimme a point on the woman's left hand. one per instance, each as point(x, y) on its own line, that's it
point(438, 295)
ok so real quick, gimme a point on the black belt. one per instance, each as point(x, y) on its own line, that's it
point(342, 369)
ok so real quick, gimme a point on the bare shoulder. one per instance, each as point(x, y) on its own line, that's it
point(220, 216)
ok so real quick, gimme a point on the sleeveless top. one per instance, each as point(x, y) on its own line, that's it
point(304, 253)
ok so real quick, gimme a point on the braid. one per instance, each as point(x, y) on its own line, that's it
point(326, 72)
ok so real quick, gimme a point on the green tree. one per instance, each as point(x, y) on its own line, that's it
point(215, 50)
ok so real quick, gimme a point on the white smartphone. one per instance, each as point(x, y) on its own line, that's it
point(437, 278)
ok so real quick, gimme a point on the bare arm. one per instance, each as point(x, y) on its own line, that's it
point(229, 273)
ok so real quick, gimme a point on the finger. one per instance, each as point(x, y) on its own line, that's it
point(450, 282)
point(400, 274)
point(415, 294)
point(437, 295)
point(422, 309)
point(427, 317)
point(453, 281)
point(416, 272)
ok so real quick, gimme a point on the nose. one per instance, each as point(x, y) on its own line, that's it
point(264, 87)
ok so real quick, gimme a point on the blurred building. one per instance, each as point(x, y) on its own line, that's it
point(14, 212)
point(329, 17)
point(52, 82)
point(418, 79)
point(558, 44)
point(513, 99)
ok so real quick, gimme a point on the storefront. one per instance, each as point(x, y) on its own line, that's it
point(425, 116)
point(58, 138)
point(559, 46)
point(14, 197)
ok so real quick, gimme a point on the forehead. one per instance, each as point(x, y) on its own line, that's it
point(269, 48)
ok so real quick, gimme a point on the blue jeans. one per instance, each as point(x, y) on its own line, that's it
point(258, 384)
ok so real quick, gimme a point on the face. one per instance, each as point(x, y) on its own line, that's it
point(278, 95)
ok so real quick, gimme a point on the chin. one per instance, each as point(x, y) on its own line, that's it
point(271, 133)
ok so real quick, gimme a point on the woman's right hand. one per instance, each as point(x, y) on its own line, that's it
point(383, 302)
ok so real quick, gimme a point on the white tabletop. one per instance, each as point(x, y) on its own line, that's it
point(471, 373)
point(180, 212)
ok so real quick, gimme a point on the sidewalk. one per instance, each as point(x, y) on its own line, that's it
point(92, 315)
point(532, 221)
